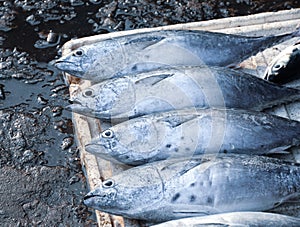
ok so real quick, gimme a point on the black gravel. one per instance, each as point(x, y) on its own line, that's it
point(42, 183)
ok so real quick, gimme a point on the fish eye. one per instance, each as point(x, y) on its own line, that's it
point(88, 93)
point(108, 183)
point(78, 53)
point(107, 134)
point(278, 66)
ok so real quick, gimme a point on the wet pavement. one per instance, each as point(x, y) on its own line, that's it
point(42, 182)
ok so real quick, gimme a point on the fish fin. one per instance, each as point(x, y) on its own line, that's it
point(280, 150)
point(293, 198)
point(286, 207)
point(188, 164)
point(152, 80)
point(184, 210)
point(192, 163)
point(234, 66)
point(177, 120)
point(145, 42)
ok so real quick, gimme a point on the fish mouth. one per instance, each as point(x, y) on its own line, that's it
point(74, 101)
point(96, 149)
point(101, 151)
point(89, 199)
point(61, 64)
point(99, 198)
point(77, 107)
point(69, 67)
point(88, 196)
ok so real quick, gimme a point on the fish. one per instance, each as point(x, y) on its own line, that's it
point(285, 67)
point(188, 132)
point(237, 219)
point(177, 88)
point(197, 186)
point(147, 51)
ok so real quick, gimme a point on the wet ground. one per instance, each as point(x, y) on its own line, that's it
point(42, 182)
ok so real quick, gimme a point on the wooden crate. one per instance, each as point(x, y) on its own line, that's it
point(254, 25)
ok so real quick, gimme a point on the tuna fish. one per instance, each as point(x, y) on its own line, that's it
point(184, 133)
point(177, 88)
point(237, 219)
point(148, 51)
point(285, 67)
point(205, 185)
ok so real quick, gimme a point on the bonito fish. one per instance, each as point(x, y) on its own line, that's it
point(285, 67)
point(147, 51)
point(235, 219)
point(184, 133)
point(177, 88)
point(209, 184)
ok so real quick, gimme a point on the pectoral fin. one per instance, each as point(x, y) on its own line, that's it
point(186, 210)
point(152, 80)
point(293, 198)
point(180, 168)
point(280, 150)
point(145, 42)
point(177, 120)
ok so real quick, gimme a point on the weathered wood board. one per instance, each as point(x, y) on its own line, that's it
point(253, 25)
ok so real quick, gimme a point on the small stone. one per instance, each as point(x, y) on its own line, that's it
point(2, 92)
point(42, 100)
point(67, 143)
point(74, 179)
point(52, 37)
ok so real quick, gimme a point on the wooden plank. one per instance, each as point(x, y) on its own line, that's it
point(259, 24)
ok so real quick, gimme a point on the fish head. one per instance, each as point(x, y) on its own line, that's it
point(133, 142)
point(77, 62)
point(285, 65)
point(109, 99)
point(96, 62)
point(84, 102)
point(107, 146)
point(132, 192)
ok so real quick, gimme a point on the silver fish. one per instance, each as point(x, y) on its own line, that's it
point(177, 88)
point(235, 219)
point(184, 133)
point(209, 184)
point(149, 51)
point(285, 67)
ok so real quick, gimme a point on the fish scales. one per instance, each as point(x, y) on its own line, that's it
point(177, 88)
point(235, 219)
point(148, 51)
point(198, 186)
point(188, 132)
